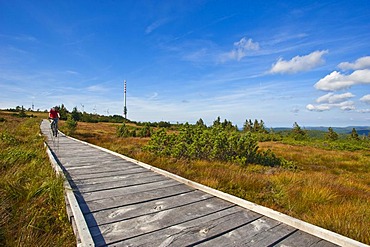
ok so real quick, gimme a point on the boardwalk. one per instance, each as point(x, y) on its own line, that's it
point(124, 203)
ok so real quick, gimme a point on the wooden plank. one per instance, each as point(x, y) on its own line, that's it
point(147, 207)
point(83, 188)
point(300, 238)
point(324, 243)
point(193, 231)
point(110, 173)
point(99, 168)
point(114, 178)
point(77, 152)
point(155, 221)
point(91, 196)
point(80, 171)
point(110, 159)
point(270, 236)
point(243, 235)
point(133, 198)
point(92, 167)
point(81, 159)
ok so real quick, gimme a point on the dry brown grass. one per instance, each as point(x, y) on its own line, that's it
point(330, 189)
point(32, 207)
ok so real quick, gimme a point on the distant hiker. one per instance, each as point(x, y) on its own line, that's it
point(54, 116)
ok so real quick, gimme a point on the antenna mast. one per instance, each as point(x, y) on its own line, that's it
point(124, 95)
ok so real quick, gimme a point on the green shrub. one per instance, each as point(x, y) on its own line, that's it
point(123, 131)
point(145, 131)
point(71, 125)
point(218, 142)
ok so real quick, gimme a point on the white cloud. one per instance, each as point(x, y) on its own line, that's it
point(196, 56)
point(22, 37)
point(241, 49)
point(345, 106)
point(364, 111)
point(154, 96)
point(337, 81)
point(332, 98)
point(299, 63)
point(295, 110)
point(155, 25)
point(311, 107)
point(72, 72)
point(361, 63)
point(96, 89)
point(366, 99)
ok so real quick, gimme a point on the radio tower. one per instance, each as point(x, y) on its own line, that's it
point(124, 95)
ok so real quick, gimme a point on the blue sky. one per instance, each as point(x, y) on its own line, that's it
point(279, 61)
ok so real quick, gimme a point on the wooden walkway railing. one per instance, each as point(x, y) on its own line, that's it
point(117, 201)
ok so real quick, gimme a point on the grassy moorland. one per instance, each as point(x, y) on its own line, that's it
point(329, 187)
point(32, 207)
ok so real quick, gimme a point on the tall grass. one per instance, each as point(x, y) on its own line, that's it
point(330, 188)
point(32, 207)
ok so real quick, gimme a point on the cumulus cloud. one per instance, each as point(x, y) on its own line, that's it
point(345, 106)
point(361, 63)
point(332, 98)
point(299, 63)
point(366, 99)
point(241, 49)
point(311, 107)
point(337, 81)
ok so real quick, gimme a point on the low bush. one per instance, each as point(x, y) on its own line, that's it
point(214, 143)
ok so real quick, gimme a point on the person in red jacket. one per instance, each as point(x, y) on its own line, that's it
point(54, 116)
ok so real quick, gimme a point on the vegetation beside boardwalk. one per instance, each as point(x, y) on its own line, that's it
point(328, 185)
point(32, 206)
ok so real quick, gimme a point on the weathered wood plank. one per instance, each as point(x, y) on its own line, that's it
point(109, 173)
point(270, 236)
point(147, 207)
point(91, 196)
point(114, 184)
point(299, 238)
point(132, 198)
point(108, 179)
point(193, 231)
point(93, 167)
point(323, 243)
point(155, 221)
point(81, 158)
point(245, 235)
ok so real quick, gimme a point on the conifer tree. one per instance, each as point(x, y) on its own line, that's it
point(331, 135)
point(354, 135)
point(256, 126)
point(200, 123)
point(298, 133)
point(247, 126)
point(63, 112)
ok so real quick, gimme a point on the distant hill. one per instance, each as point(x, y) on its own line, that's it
point(361, 130)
